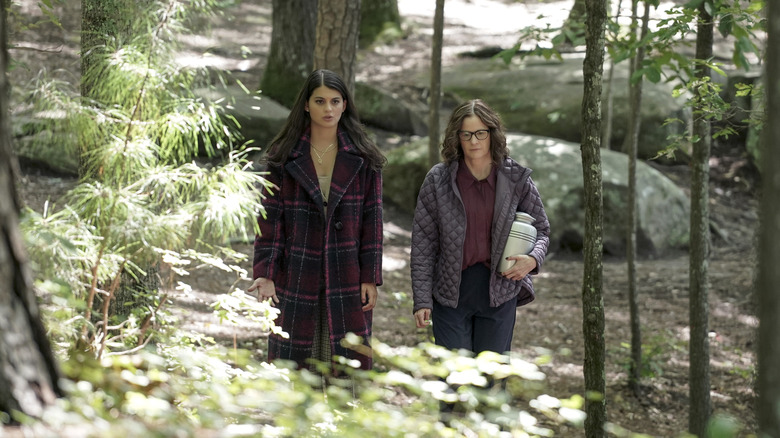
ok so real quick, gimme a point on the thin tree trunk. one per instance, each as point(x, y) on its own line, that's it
point(28, 369)
point(434, 130)
point(768, 385)
point(635, 119)
point(592, 293)
point(699, 372)
point(338, 28)
point(291, 57)
point(606, 131)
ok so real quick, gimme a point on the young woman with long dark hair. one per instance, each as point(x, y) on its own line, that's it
point(318, 256)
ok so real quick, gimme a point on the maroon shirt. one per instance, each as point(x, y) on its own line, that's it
point(478, 198)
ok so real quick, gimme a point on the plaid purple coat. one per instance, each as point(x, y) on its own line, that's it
point(301, 248)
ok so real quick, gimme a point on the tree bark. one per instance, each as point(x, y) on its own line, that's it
point(699, 371)
point(375, 17)
point(338, 27)
point(28, 370)
point(635, 119)
point(434, 130)
point(291, 57)
point(768, 385)
point(592, 287)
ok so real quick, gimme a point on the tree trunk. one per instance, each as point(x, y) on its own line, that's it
point(768, 385)
point(291, 57)
point(375, 17)
point(28, 370)
point(699, 371)
point(592, 293)
point(434, 130)
point(338, 26)
point(635, 119)
point(609, 102)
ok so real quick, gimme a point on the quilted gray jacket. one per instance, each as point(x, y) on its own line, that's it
point(439, 230)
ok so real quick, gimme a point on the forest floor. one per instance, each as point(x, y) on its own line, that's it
point(552, 323)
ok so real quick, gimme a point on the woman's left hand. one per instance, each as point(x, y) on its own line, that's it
point(368, 295)
point(523, 265)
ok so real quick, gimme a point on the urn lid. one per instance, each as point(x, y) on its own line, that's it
point(523, 217)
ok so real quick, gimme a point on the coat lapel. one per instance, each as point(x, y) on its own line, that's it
point(302, 169)
point(347, 167)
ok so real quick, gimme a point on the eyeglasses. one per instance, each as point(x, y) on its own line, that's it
point(481, 134)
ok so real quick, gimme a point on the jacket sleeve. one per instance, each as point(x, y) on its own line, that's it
point(371, 236)
point(269, 244)
point(532, 204)
point(425, 245)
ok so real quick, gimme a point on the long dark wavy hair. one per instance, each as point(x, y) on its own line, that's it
point(450, 147)
point(298, 121)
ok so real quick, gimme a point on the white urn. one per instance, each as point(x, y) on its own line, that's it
point(522, 238)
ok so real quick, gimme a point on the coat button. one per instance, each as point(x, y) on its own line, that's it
point(338, 225)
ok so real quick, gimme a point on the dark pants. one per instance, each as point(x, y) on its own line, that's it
point(474, 325)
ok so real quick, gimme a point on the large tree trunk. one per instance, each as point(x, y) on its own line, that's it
point(375, 17)
point(291, 57)
point(768, 384)
point(338, 26)
point(28, 370)
point(435, 108)
point(699, 371)
point(592, 287)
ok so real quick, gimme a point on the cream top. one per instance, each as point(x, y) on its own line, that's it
point(325, 188)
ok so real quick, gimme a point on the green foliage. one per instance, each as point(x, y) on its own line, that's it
point(721, 426)
point(191, 386)
point(545, 42)
point(380, 22)
point(656, 351)
point(48, 10)
point(165, 181)
point(237, 305)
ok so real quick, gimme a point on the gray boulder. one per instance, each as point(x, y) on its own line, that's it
point(545, 98)
point(389, 112)
point(662, 217)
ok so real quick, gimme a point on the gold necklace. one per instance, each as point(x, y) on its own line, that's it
point(320, 155)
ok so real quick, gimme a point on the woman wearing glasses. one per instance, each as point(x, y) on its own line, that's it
point(464, 212)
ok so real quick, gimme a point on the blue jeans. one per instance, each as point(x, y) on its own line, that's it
point(474, 325)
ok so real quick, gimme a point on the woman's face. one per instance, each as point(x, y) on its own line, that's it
point(325, 107)
point(474, 138)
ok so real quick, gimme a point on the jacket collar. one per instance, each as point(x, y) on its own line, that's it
point(347, 166)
